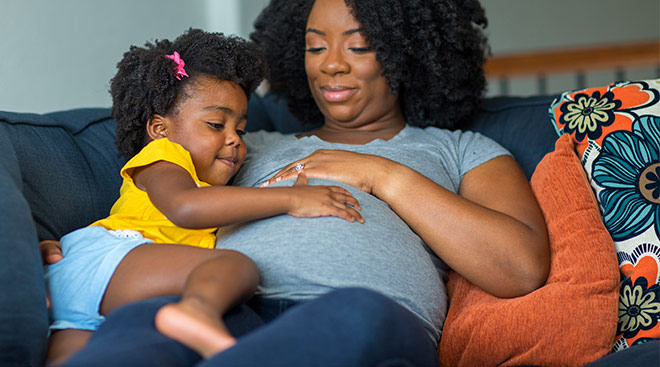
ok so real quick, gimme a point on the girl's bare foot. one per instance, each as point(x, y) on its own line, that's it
point(193, 324)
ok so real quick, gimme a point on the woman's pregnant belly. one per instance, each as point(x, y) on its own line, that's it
point(301, 258)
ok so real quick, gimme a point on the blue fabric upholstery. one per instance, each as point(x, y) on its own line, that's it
point(58, 172)
point(521, 125)
point(23, 317)
point(68, 165)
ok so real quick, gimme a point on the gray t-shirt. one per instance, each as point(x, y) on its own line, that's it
point(302, 258)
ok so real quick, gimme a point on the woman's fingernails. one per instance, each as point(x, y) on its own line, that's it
point(278, 179)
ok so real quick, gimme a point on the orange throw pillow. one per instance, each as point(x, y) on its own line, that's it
point(572, 319)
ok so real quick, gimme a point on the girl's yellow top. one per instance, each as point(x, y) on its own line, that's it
point(133, 210)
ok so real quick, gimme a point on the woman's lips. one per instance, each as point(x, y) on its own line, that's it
point(337, 94)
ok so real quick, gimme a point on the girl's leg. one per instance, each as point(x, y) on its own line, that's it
point(210, 282)
point(129, 338)
point(62, 344)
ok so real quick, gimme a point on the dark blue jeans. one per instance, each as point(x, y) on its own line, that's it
point(348, 327)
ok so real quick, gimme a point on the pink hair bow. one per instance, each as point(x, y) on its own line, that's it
point(178, 69)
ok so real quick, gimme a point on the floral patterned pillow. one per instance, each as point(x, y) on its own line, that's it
point(616, 132)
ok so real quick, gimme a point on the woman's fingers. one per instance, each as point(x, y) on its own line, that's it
point(286, 173)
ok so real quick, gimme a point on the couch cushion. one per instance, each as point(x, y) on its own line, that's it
point(616, 129)
point(520, 125)
point(571, 320)
point(271, 113)
point(68, 166)
point(23, 316)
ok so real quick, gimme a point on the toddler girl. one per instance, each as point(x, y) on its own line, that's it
point(181, 111)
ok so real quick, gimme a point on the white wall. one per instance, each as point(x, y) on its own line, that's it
point(538, 24)
point(61, 54)
point(526, 25)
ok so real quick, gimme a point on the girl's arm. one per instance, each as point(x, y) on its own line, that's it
point(492, 233)
point(175, 194)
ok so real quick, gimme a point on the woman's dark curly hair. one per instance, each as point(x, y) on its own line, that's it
point(145, 83)
point(431, 52)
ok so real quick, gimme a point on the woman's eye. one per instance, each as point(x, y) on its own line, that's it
point(361, 50)
point(240, 132)
point(314, 50)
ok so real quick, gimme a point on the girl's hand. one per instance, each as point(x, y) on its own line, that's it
point(51, 252)
point(368, 173)
point(322, 201)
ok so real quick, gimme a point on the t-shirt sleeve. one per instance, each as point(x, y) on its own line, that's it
point(476, 149)
point(160, 150)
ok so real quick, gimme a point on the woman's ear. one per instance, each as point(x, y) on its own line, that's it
point(157, 127)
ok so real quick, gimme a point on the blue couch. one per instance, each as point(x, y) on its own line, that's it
point(58, 172)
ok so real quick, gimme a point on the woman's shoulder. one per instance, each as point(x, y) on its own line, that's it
point(469, 148)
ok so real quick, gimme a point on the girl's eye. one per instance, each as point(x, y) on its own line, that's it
point(240, 133)
point(216, 126)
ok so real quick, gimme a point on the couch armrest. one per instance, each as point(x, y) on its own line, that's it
point(23, 314)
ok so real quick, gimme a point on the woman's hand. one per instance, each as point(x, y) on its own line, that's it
point(51, 252)
point(323, 201)
point(367, 172)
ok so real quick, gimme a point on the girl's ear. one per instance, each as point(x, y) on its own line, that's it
point(157, 127)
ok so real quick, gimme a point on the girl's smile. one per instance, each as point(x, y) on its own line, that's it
point(229, 161)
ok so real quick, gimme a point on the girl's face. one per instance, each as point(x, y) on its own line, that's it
point(344, 76)
point(209, 123)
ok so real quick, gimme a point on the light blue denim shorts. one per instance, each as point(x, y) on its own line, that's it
point(76, 284)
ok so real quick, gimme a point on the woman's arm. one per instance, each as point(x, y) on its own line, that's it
point(492, 233)
point(175, 194)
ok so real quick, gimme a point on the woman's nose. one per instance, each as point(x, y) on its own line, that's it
point(335, 62)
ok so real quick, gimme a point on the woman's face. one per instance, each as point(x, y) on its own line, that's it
point(344, 76)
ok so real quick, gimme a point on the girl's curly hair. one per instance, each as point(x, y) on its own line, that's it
point(431, 52)
point(145, 83)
